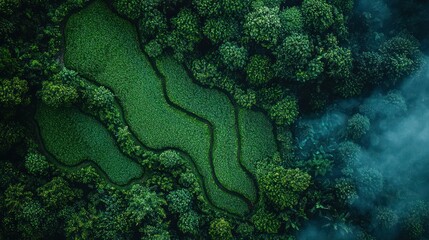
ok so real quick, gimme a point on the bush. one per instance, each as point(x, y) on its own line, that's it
point(36, 164)
point(266, 222)
point(357, 126)
point(129, 8)
point(13, 92)
point(291, 21)
point(219, 30)
point(263, 25)
point(284, 111)
point(318, 15)
point(283, 186)
point(233, 56)
point(57, 193)
point(189, 222)
point(220, 229)
point(259, 70)
point(179, 201)
point(56, 95)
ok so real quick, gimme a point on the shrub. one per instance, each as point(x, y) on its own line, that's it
point(220, 229)
point(56, 95)
point(284, 111)
point(129, 8)
point(13, 92)
point(266, 222)
point(219, 30)
point(233, 56)
point(357, 126)
point(179, 201)
point(263, 25)
point(57, 193)
point(36, 164)
point(189, 222)
point(318, 15)
point(259, 70)
point(291, 21)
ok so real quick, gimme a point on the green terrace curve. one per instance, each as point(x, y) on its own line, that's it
point(164, 108)
point(73, 138)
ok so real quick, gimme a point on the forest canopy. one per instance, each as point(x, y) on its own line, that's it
point(214, 119)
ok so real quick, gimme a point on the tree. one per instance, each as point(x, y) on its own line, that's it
point(266, 222)
point(207, 8)
point(259, 70)
point(97, 98)
point(179, 201)
point(152, 24)
point(282, 186)
point(7, 7)
point(57, 193)
point(318, 15)
point(36, 164)
point(129, 8)
point(233, 56)
point(284, 111)
point(263, 25)
point(357, 126)
point(220, 229)
point(11, 134)
point(144, 206)
point(235, 8)
point(338, 62)
point(205, 72)
point(13, 92)
point(293, 55)
point(58, 94)
point(291, 21)
point(219, 30)
point(189, 222)
point(345, 6)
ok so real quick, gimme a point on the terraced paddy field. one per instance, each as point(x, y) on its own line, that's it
point(73, 138)
point(164, 108)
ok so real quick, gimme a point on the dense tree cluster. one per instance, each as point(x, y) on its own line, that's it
point(285, 58)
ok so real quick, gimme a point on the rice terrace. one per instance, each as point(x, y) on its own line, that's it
point(214, 119)
point(163, 107)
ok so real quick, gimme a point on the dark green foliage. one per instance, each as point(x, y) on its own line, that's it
point(319, 164)
point(36, 164)
point(56, 95)
point(390, 105)
point(233, 56)
point(97, 98)
point(13, 92)
point(416, 220)
point(293, 55)
point(179, 201)
point(263, 25)
point(170, 159)
point(7, 7)
point(371, 68)
point(130, 9)
point(189, 222)
point(153, 48)
point(205, 72)
point(259, 70)
point(207, 8)
point(345, 6)
point(291, 21)
point(283, 186)
point(11, 134)
point(220, 229)
point(152, 24)
point(284, 111)
point(349, 87)
point(219, 30)
point(345, 190)
point(233, 7)
point(338, 62)
point(386, 218)
point(266, 222)
point(369, 183)
point(58, 193)
point(357, 126)
point(318, 15)
point(144, 205)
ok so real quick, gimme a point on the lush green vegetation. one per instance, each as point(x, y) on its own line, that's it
point(203, 119)
point(59, 128)
point(216, 108)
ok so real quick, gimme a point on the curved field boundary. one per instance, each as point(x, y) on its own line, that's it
point(220, 112)
point(74, 138)
point(104, 48)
